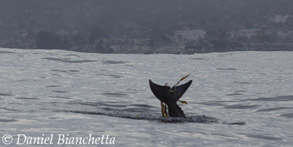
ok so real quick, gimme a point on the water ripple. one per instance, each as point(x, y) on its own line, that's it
point(197, 58)
point(27, 98)
point(194, 119)
point(68, 60)
point(273, 109)
point(8, 109)
point(212, 104)
point(117, 94)
point(113, 62)
point(6, 94)
point(53, 86)
point(66, 71)
point(6, 52)
point(239, 106)
point(242, 83)
point(110, 75)
point(286, 98)
point(287, 115)
point(59, 91)
point(143, 105)
point(234, 94)
point(60, 97)
point(263, 137)
point(132, 111)
point(7, 120)
point(227, 69)
point(100, 104)
point(216, 103)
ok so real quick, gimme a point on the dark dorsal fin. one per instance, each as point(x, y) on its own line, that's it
point(167, 94)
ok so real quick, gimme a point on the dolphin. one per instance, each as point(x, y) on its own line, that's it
point(170, 96)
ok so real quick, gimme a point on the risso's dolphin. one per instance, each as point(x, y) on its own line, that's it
point(170, 96)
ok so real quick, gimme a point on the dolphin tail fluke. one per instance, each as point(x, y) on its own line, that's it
point(167, 94)
point(161, 92)
point(180, 90)
point(170, 96)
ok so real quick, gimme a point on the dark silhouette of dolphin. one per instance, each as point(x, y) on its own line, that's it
point(170, 96)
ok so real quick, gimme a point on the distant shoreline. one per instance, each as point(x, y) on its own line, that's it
point(234, 50)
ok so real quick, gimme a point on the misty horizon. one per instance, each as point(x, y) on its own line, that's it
point(86, 24)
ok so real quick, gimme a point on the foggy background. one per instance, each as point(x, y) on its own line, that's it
point(147, 26)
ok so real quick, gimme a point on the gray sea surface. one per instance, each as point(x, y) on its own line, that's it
point(236, 99)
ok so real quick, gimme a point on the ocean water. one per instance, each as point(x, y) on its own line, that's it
point(236, 98)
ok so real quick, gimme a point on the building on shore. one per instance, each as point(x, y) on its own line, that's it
point(249, 33)
point(189, 34)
